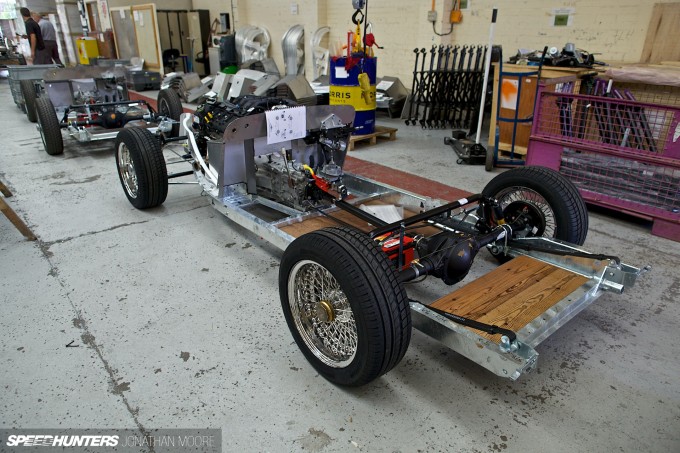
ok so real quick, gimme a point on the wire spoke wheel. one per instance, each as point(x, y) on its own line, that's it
point(141, 167)
point(344, 305)
point(42, 134)
point(517, 201)
point(548, 202)
point(126, 169)
point(322, 314)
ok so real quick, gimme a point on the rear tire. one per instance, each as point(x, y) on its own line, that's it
point(545, 196)
point(48, 125)
point(344, 305)
point(169, 104)
point(30, 96)
point(141, 167)
point(489, 160)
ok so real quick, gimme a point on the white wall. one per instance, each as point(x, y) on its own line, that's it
point(615, 29)
point(161, 4)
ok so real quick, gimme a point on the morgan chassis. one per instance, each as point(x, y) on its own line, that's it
point(92, 103)
point(345, 262)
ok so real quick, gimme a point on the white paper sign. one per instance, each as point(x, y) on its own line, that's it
point(286, 124)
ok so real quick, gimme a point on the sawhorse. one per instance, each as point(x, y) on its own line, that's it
point(12, 216)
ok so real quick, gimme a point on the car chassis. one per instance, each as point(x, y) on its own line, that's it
point(91, 103)
point(343, 269)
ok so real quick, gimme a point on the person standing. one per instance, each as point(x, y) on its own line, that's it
point(49, 35)
point(34, 36)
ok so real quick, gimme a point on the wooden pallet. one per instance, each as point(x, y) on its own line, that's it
point(380, 131)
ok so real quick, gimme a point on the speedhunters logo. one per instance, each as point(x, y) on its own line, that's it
point(37, 440)
point(112, 440)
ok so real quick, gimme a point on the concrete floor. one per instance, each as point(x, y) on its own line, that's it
point(177, 317)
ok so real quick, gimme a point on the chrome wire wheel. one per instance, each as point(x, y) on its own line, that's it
point(126, 169)
point(517, 200)
point(42, 134)
point(163, 107)
point(322, 314)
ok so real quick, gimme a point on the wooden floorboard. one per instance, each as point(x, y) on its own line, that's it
point(512, 295)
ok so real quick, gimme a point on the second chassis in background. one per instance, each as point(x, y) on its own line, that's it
point(350, 244)
point(92, 103)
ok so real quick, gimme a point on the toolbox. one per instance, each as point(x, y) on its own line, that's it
point(143, 80)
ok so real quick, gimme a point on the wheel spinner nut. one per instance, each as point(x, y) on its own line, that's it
point(325, 311)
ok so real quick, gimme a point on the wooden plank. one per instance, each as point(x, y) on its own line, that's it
point(512, 295)
point(316, 223)
point(16, 220)
point(504, 149)
point(484, 294)
point(5, 191)
point(661, 42)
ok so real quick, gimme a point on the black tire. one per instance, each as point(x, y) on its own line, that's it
point(169, 104)
point(368, 296)
point(547, 197)
point(141, 167)
point(48, 125)
point(29, 94)
point(459, 134)
point(489, 160)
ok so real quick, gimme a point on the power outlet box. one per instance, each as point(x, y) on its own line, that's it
point(432, 16)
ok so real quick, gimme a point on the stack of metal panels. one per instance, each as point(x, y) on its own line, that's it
point(296, 88)
point(268, 65)
point(189, 86)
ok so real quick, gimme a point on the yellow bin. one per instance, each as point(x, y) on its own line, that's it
point(87, 49)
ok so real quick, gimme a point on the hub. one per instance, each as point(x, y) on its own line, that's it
point(325, 311)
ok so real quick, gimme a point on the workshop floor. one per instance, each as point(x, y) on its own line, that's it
point(176, 315)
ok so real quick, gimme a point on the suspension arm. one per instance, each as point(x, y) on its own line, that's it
point(425, 215)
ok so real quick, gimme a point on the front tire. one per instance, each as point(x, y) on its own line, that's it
point(169, 104)
point(29, 94)
point(344, 305)
point(49, 127)
point(550, 201)
point(141, 167)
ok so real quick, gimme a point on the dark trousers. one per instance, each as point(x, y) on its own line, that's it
point(48, 54)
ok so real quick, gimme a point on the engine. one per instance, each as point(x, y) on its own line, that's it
point(280, 180)
point(212, 118)
point(301, 174)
